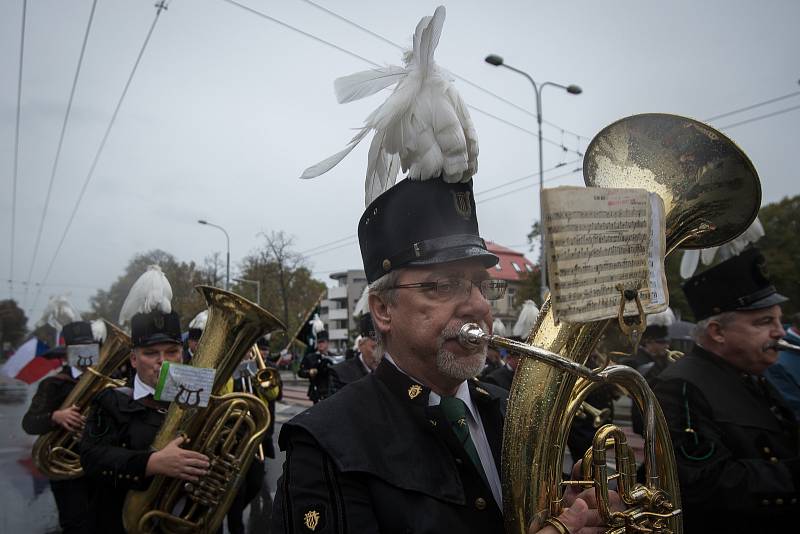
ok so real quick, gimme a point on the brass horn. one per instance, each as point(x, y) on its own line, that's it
point(711, 194)
point(55, 454)
point(228, 430)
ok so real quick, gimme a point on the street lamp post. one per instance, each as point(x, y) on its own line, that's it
point(258, 287)
point(228, 253)
point(497, 61)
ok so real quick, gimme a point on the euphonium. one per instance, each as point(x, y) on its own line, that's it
point(711, 194)
point(56, 453)
point(228, 430)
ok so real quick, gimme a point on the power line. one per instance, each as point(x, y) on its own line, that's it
point(16, 150)
point(161, 6)
point(481, 201)
point(349, 243)
point(753, 106)
point(760, 117)
point(461, 78)
point(374, 64)
point(351, 236)
point(521, 178)
point(61, 142)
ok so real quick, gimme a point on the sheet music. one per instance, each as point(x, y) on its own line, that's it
point(83, 355)
point(597, 238)
point(185, 384)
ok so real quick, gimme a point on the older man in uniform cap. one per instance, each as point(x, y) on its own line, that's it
point(736, 443)
point(362, 364)
point(116, 450)
point(45, 415)
point(315, 367)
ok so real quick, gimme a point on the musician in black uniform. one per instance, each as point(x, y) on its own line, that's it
point(115, 450)
point(366, 361)
point(315, 367)
point(736, 442)
point(44, 415)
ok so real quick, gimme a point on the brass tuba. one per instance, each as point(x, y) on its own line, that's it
point(228, 430)
point(56, 453)
point(711, 194)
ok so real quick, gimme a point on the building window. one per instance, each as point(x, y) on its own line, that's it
point(516, 266)
point(498, 266)
point(528, 267)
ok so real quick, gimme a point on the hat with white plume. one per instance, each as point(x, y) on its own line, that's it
point(423, 127)
point(99, 331)
point(527, 318)
point(734, 247)
point(148, 308)
point(658, 325)
point(198, 324)
point(58, 313)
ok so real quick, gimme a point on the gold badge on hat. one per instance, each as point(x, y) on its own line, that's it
point(462, 204)
point(158, 321)
point(311, 519)
point(413, 391)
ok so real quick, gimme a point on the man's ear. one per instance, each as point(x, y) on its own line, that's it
point(133, 359)
point(715, 331)
point(381, 313)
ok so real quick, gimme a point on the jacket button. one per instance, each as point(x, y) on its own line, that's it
point(779, 501)
point(766, 450)
point(793, 501)
point(765, 502)
point(480, 503)
point(773, 460)
point(459, 461)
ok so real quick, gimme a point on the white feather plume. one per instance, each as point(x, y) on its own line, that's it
point(99, 331)
point(498, 328)
point(692, 258)
point(59, 312)
point(199, 321)
point(317, 325)
point(362, 306)
point(526, 320)
point(664, 318)
point(424, 126)
point(150, 292)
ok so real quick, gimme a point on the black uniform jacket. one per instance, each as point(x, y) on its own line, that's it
point(738, 466)
point(115, 450)
point(502, 376)
point(49, 396)
point(345, 373)
point(318, 384)
point(376, 458)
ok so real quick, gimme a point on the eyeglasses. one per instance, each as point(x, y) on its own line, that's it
point(449, 288)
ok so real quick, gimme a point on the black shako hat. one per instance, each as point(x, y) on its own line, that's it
point(420, 223)
point(740, 283)
point(322, 336)
point(155, 327)
point(77, 333)
point(656, 332)
point(194, 334)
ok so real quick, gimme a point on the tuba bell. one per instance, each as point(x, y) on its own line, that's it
point(711, 194)
point(55, 454)
point(228, 430)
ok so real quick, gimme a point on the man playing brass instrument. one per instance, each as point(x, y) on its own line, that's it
point(45, 415)
point(736, 442)
point(115, 450)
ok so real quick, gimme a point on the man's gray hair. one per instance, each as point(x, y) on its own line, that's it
point(723, 319)
point(383, 287)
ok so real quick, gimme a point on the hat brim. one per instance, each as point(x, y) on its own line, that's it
point(766, 302)
point(156, 339)
point(448, 255)
point(56, 353)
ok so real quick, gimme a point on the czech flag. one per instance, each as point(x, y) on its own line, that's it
point(27, 364)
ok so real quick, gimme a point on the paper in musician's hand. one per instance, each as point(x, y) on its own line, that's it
point(598, 238)
point(83, 355)
point(185, 384)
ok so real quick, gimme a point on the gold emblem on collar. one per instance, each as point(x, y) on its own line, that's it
point(413, 391)
point(311, 519)
point(482, 391)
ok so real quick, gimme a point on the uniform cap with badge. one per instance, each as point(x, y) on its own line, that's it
point(148, 308)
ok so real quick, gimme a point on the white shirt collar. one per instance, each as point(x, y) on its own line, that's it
point(366, 367)
point(140, 389)
point(75, 372)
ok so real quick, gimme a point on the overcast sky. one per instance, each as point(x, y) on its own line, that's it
point(227, 108)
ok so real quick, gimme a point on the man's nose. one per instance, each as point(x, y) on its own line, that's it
point(475, 303)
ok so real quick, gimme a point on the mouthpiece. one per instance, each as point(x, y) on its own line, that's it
point(471, 336)
point(780, 345)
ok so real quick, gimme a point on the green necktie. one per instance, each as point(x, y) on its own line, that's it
point(455, 411)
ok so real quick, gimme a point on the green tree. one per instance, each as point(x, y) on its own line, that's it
point(12, 325)
point(781, 248)
point(186, 301)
